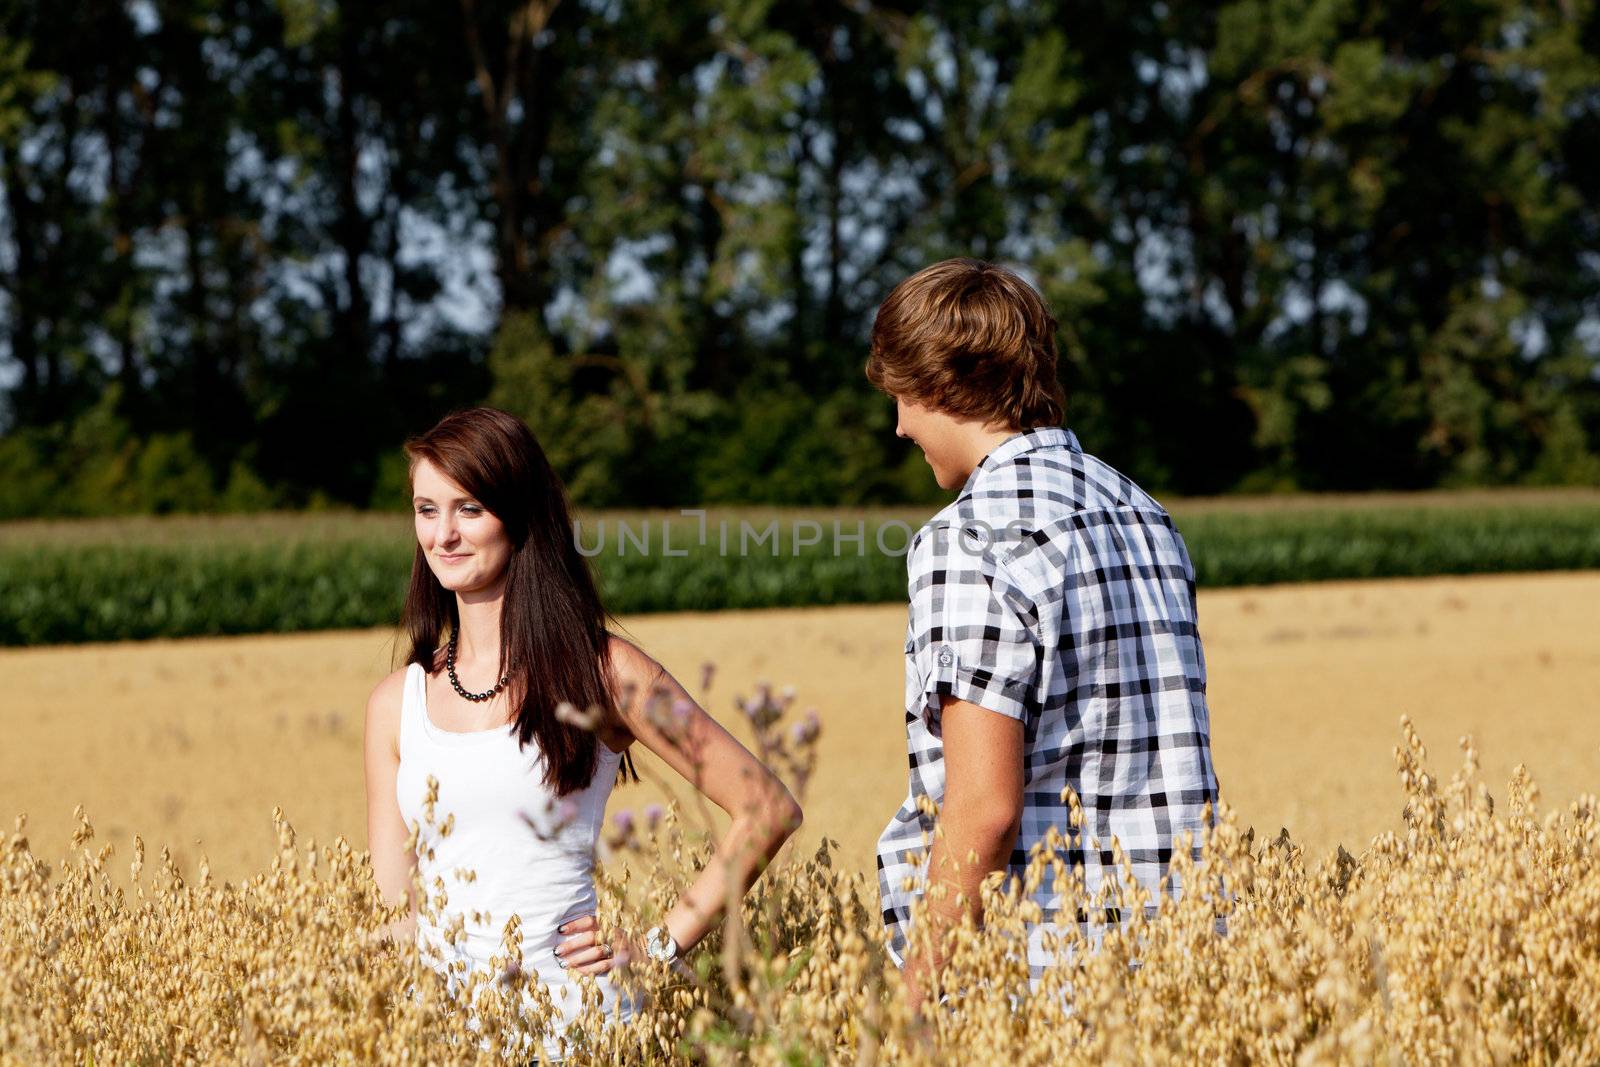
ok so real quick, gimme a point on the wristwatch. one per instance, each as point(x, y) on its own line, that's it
point(659, 945)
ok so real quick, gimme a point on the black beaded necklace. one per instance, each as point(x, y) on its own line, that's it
point(461, 690)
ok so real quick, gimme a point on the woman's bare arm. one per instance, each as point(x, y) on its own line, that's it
point(392, 862)
point(763, 812)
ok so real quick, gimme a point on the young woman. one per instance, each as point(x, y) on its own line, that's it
point(505, 626)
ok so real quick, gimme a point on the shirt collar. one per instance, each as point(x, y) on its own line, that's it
point(1018, 444)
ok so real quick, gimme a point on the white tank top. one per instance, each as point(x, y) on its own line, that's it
point(491, 785)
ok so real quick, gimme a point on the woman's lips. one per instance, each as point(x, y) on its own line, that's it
point(446, 558)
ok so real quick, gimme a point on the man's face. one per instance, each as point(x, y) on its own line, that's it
point(937, 434)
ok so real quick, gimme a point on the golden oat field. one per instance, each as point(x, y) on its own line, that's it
point(1458, 924)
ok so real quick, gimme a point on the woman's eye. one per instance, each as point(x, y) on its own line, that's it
point(470, 509)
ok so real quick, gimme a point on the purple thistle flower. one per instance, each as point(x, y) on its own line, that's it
point(806, 731)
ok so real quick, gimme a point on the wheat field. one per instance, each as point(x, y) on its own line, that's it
point(192, 743)
point(1461, 931)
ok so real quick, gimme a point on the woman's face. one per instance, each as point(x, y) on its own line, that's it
point(467, 547)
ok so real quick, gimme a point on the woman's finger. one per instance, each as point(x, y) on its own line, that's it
point(596, 960)
point(583, 953)
point(568, 947)
point(619, 954)
point(582, 922)
point(603, 958)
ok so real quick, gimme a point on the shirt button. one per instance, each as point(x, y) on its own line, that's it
point(946, 658)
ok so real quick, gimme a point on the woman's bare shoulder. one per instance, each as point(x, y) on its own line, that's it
point(387, 694)
point(630, 664)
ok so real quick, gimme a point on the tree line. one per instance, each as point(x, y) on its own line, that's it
point(246, 246)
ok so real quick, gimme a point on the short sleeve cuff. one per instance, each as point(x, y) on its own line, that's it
point(944, 674)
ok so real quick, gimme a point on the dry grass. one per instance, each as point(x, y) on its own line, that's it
point(1462, 931)
point(1467, 938)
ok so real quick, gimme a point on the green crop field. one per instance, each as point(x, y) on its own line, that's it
point(120, 579)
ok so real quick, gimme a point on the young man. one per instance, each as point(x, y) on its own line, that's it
point(1052, 639)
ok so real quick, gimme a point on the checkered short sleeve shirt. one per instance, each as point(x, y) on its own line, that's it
point(1056, 592)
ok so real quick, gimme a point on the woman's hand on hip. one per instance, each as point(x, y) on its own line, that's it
point(582, 951)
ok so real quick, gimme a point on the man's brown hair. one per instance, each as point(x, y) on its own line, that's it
point(971, 339)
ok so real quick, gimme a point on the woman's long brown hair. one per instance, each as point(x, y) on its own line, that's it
point(554, 641)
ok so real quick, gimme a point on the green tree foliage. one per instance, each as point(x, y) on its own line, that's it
point(246, 246)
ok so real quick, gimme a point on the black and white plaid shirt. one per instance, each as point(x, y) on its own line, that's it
point(1055, 591)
